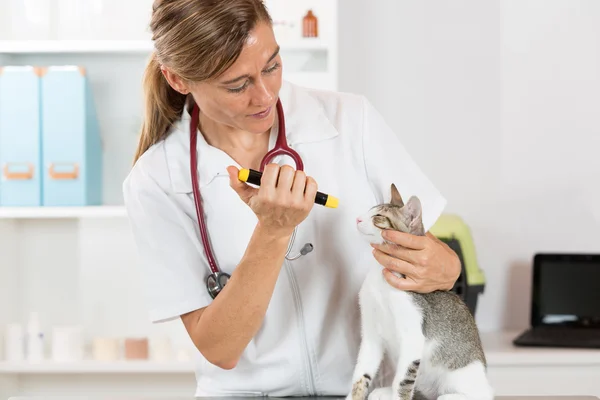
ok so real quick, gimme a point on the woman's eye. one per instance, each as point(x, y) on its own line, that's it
point(238, 89)
point(245, 85)
point(273, 68)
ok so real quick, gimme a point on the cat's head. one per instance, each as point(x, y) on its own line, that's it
point(393, 215)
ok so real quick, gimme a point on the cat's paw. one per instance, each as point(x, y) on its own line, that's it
point(360, 389)
point(384, 393)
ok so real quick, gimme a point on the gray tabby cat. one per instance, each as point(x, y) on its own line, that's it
point(432, 337)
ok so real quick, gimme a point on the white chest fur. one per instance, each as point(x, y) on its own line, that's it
point(389, 311)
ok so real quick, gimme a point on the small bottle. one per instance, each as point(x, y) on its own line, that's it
point(14, 343)
point(310, 25)
point(35, 339)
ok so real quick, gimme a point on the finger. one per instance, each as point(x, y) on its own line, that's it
point(310, 192)
point(394, 264)
point(405, 284)
point(414, 257)
point(269, 176)
point(402, 253)
point(299, 185)
point(404, 239)
point(286, 178)
point(245, 191)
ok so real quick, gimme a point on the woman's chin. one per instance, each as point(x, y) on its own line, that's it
point(257, 127)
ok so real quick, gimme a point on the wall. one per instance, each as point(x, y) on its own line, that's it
point(497, 101)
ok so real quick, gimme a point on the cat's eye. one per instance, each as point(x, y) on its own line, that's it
point(381, 221)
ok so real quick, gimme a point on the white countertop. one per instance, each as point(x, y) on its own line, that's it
point(500, 351)
point(296, 398)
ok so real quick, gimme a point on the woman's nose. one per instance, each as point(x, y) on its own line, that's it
point(262, 94)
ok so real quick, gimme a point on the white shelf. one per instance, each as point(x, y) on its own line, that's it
point(97, 367)
point(74, 46)
point(62, 212)
point(498, 349)
point(120, 46)
point(500, 352)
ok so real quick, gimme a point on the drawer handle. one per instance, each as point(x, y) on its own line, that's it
point(20, 175)
point(63, 175)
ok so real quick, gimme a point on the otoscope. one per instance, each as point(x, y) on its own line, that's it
point(253, 177)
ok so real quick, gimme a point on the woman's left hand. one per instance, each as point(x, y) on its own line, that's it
point(427, 263)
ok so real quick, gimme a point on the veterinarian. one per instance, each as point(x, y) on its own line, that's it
point(285, 323)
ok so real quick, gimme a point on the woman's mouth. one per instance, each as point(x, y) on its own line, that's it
point(262, 114)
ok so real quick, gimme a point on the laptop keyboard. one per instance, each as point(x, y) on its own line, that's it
point(561, 337)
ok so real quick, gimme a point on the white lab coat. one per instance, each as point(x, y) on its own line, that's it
point(310, 336)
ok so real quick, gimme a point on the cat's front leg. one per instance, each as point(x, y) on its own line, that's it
point(370, 353)
point(369, 359)
point(411, 351)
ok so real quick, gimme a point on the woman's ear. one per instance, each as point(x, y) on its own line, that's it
point(175, 80)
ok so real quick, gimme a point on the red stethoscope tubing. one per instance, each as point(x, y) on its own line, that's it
point(281, 148)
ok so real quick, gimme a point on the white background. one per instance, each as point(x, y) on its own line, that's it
point(499, 103)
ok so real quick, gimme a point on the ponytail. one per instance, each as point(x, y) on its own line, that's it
point(163, 106)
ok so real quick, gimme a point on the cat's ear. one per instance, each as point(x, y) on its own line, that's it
point(413, 208)
point(414, 211)
point(396, 198)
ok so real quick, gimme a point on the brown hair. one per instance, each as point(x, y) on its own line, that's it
point(197, 40)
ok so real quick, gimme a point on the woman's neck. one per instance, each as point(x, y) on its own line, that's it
point(246, 148)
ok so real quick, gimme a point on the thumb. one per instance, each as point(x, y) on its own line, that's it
point(245, 191)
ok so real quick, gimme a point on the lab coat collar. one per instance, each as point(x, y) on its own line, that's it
point(305, 122)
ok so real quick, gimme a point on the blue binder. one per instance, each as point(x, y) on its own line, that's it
point(72, 149)
point(20, 137)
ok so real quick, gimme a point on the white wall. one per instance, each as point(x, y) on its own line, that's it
point(497, 101)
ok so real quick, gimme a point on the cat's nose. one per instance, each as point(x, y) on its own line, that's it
point(358, 220)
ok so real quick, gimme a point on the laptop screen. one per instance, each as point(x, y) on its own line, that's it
point(566, 290)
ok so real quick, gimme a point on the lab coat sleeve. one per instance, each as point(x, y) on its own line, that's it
point(172, 263)
point(387, 161)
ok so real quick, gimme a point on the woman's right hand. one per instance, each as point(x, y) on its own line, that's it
point(283, 200)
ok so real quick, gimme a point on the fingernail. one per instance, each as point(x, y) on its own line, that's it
point(384, 234)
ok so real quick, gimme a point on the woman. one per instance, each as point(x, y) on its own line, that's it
point(279, 327)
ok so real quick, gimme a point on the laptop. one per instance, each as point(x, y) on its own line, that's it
point(565, 302)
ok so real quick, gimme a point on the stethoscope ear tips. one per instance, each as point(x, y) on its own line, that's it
point(308, 247)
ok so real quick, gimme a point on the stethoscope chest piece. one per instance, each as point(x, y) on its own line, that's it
point(215, 282)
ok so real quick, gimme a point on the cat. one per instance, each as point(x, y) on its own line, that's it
point(432, 337)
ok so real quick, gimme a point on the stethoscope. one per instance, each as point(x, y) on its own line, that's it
point(216, 281)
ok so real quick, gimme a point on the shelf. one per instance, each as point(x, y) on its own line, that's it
point(120, 46)
point(498, 349)
point(500, 352)
point(97, 367)
point(62, 212)
point(74, 46)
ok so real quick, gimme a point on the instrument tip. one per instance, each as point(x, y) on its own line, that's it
point(332, 202)
point(243, 175)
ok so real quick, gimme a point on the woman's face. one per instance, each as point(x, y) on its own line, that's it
point(244, 97)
